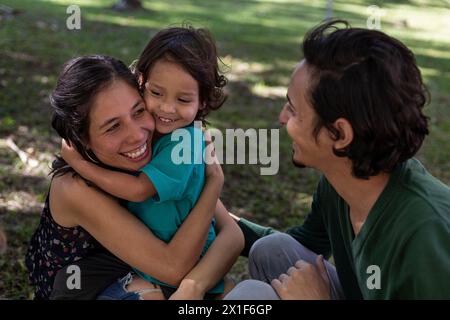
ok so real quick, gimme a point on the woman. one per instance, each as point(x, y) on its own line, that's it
point(92, 94)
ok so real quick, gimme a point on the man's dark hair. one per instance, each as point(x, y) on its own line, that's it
point(372, 80)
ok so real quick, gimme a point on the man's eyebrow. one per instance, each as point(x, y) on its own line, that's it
point(109, 121)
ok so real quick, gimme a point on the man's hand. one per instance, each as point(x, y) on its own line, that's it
point(70, 154)
point(304, 281)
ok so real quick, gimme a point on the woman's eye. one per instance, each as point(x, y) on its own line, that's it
point(155, 93)
point(139, 112)
point(112, 128)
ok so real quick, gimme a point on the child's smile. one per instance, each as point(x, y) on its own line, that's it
point(172, 96)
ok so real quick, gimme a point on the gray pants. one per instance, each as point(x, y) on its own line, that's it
point(271, 256)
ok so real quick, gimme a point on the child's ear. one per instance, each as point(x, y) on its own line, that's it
point(202, 106)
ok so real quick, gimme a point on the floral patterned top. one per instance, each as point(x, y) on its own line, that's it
point(51, 248)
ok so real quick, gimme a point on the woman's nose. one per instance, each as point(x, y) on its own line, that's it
point(136, 133)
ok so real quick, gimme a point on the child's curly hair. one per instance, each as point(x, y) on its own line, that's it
point(195, 50)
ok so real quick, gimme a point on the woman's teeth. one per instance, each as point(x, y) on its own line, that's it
point(135, 154)
point(165, 120)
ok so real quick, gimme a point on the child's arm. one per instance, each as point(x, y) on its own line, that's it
point(118, 184)
point(217, 261)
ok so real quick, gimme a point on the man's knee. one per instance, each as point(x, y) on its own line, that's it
point(252, 290)
point(270, 246)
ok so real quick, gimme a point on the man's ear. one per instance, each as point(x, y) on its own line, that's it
point(345, 129)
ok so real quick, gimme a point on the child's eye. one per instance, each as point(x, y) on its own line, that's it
point(184, 100)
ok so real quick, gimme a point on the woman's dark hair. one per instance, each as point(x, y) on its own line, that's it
point(193, 49)
point(80, 81)
point(372, 80)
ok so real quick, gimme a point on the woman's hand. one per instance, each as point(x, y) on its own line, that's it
point(70, 154)
point(213, 168)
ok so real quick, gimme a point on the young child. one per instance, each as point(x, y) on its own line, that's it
point(179, 75)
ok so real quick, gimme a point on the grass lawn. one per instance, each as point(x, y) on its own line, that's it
point(259, 40)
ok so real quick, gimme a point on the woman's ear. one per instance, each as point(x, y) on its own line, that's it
point(345, 137)
point(140, 80)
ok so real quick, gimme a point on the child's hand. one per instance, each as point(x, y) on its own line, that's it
point(188, 290)
point(70, 154)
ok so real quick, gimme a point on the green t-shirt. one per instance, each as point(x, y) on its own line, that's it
point(403, 248)
point(177, 171)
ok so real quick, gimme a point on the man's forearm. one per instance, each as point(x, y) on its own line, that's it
point(252, 232)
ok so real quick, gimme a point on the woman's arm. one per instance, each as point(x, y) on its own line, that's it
point(218, 260)
point(137, 188)
point(129, 239)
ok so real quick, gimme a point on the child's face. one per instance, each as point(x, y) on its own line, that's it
point(171, 96)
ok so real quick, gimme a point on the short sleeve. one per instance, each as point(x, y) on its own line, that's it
point(168, 173)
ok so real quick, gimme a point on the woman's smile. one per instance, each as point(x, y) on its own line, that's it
point(138, 154)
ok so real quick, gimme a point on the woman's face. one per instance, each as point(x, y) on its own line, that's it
point(121, 129)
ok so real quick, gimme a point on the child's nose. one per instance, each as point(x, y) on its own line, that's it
point(167, 107)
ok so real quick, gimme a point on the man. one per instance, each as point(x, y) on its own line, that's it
point(354, 112)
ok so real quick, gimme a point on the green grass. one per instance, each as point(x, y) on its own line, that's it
point(260, 42)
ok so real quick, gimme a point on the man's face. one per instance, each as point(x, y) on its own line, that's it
point(299, 118)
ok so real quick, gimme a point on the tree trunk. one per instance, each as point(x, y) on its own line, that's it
point(123, 5)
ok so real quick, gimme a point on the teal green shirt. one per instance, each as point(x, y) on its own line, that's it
point(177, 171)
point(404, 243)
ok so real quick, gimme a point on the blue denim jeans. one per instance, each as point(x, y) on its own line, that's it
point(118, 290)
